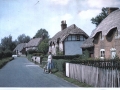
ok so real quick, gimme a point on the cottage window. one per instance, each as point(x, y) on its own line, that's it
point(81, 38)
point(73, 37)
point(102, 53)
point(69, 38)
point(77, 37)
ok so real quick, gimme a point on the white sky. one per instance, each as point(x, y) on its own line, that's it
point(28, 16)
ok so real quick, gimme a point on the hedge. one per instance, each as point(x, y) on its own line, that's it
point(6, 53)
point(1, 54)
point(59, 64)
point(31, 51)
point(67, 57)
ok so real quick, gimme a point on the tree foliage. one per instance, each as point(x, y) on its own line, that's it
point(43, 46)
point(97, 20)
point(42, 33)
point(23, 38)
point(7, 43)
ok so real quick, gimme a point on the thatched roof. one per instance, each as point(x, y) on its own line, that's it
point(20, 47)
point(87, 43)
point(34, 42)
point(73, 29)
point(110, 22)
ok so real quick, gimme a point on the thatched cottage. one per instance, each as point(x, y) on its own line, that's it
point(107, 36)
point(33, 44)
point(68, 40)
point(20, 49)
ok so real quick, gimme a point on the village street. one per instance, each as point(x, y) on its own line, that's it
point(20, 72)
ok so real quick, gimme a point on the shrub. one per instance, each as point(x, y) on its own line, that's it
point(31, 51)
point(85, 54)
point(7, 53)
point(67, 57)
point(60, 64)
point(58, 52)
point(43, 46)
point(1, 54)
point(36, 54)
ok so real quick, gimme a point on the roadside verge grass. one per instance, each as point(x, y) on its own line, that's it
point(76, 82)
point(4, 61)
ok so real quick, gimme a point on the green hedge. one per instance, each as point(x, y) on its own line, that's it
point(36, 54)
point(31, 51)
point(1, 54)
point(67, 57)
point(6, 53)
point(60, 64)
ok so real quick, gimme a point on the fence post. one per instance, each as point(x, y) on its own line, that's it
point(67, 69)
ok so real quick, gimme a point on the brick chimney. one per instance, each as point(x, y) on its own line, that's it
point(63, 25)
point(111, 9)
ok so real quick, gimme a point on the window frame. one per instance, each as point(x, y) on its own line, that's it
point(75, 37)
point(102, 53)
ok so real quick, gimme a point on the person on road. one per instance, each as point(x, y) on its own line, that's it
point(49, 64)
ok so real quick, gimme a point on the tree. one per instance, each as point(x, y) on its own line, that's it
point(42, 33)
point(6, 43)
point(97, 20)
point(23, 38)
point(44, 46)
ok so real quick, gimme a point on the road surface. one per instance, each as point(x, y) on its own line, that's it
point(23, 73)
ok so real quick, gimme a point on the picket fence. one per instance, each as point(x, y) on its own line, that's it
point(94, 76)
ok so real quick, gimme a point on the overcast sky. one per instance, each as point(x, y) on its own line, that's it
point(28, 16)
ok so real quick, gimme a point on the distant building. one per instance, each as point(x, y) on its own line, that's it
point(20, 49)
point(33, 44)
point(68, 40)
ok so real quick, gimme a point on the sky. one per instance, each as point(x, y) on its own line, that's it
point(28, 16)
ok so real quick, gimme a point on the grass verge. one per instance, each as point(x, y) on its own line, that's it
point(4, 61)
point(76, 82)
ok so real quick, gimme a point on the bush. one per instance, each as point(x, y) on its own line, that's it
point(7, 53)
point(85, 54)
point(1, 54)
point(67, 57)
point(36, 54)
point(31, 51)
point(60, 64)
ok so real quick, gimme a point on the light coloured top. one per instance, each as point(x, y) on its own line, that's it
point(50, 58)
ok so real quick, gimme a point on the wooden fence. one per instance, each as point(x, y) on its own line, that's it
point(103, 75)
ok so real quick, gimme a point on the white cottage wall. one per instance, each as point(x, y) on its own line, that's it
point(73, 47)
point(50, 48)
point(53, 50)
point(61, 46)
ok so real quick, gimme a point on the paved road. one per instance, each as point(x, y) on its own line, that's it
point(23, 73)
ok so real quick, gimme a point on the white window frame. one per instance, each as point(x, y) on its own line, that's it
point(113, 50)
point(102, 53)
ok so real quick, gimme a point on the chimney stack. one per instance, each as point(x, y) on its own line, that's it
point(63, 25)
point(111, 9)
